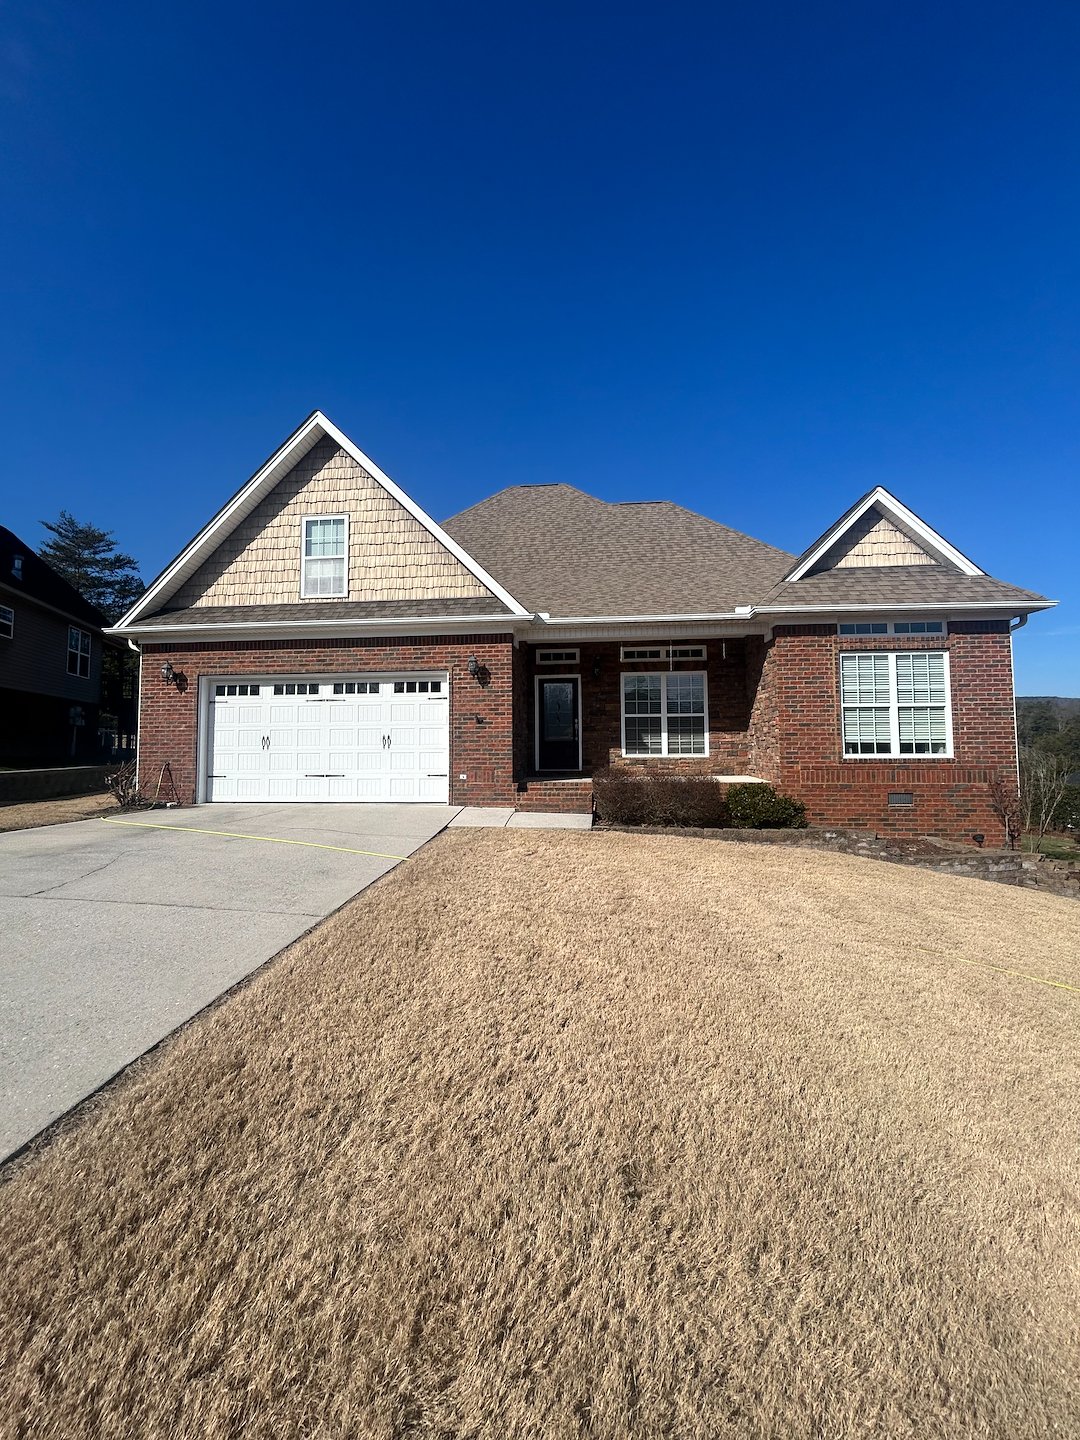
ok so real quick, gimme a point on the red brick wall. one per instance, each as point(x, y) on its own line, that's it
point(601, 701)
point(481, 742)
point(796, 743)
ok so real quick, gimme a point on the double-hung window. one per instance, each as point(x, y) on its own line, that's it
point(324, 563)
point(7, 622)
point(78, 652)
point(665, 713)
point(895, 703)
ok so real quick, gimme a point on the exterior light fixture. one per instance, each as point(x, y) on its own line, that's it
point(596, 668)
point(474, 666)
point(168, 674)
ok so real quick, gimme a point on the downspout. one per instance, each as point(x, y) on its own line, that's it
point(1014, 625)
point(132, 646)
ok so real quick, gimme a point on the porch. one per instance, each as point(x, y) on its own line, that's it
point(681, 706)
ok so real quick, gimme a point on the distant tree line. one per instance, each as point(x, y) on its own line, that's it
point(1048, 732)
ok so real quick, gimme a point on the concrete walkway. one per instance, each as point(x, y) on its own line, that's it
point(117, 931)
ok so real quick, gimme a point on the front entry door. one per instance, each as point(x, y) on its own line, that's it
point(557, 720)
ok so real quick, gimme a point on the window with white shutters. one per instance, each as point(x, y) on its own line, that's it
point(895, 704)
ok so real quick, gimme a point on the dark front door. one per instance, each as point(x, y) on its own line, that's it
point(557, 723)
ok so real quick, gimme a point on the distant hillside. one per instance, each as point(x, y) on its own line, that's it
point(1050, 722)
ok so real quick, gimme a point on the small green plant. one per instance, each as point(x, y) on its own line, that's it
point(760, 807)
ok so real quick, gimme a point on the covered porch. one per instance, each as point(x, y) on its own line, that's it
point(680, 704)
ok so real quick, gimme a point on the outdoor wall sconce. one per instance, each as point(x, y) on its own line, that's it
point(174, 677)
point(596, 668)
point(474, 666)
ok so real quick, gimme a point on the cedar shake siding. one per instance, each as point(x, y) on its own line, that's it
point(873, 542)
point(391, 555)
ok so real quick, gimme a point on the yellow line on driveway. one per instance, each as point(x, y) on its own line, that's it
point(236, 835)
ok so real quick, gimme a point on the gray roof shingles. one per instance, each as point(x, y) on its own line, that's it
point(323, 610)
point(559, 550)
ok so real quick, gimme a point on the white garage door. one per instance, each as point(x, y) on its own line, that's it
point(338, 738)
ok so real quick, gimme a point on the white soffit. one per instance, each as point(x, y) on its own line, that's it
point(315, 428)
point(895, 508)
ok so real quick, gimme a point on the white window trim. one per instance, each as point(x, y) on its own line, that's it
point(894, 754)
point(305, 521)
point(7, 623)
point(663, 674)
point(75, 674)
point(538, 680)
point(558, 656)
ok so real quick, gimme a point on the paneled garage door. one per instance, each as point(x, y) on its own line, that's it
point(339, 738)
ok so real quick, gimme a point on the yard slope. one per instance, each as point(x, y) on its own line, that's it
point(559, 1134)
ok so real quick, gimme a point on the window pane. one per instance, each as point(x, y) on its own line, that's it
point(324, 537)
point(920, 679)
point(685, 694)
point(642, 694)
point(864, 679)
point(866, 730)
point(922, 731)
point(325, 577)
point(641, 708)
point(643, 735)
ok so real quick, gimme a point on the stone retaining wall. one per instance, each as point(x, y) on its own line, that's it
point(1007, 867)
point(21, 785)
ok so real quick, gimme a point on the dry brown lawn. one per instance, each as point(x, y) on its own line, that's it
point(32, 813)
point(572, 1135)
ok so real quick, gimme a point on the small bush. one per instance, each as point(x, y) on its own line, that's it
point(759, 807)
point(123, 785)
point(1067, 814)
point(625, 798)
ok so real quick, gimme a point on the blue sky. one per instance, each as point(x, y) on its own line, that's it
point(755, 259)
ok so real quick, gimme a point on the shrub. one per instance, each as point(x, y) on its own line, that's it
point(759, 807)
point(626, 798)
point(1067, 814)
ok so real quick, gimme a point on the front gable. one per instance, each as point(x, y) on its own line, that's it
point(391, 556)
point(250, 554)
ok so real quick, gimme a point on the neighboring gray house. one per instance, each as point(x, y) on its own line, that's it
point(51, 649)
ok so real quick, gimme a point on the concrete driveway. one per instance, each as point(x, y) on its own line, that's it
point(116, 931)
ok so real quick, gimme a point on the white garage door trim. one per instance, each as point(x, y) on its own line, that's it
point(343, 762)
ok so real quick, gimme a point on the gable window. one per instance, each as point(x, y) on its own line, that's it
point(664, 713)
point(7, 622)
point(895, 704)
point(324, 567)
point(78, 654)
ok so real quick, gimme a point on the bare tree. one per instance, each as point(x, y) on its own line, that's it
point(1005, 802)
point(1044, 777)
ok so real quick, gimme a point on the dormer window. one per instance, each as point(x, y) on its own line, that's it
point(16, 566)
point(324, 558)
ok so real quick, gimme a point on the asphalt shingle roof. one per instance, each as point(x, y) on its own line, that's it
point(559, 550)
point(41, 582)
point(325, 610)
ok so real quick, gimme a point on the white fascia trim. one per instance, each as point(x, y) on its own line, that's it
point(953, 607)
point(881, 497)
point(278, 465)
point(436, 624)
point(684, 619)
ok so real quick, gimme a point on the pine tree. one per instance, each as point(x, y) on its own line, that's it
point(87, 558)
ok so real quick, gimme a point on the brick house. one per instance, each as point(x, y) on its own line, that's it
point(324, 639)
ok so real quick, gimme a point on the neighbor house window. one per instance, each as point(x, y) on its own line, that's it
point(324, 564)
point(895, 703)
point(664, 713)
point(78, 652)
point(7, 622)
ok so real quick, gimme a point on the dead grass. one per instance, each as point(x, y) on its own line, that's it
point(583, 1135)
point(28, 815)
